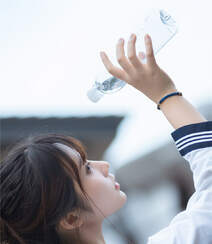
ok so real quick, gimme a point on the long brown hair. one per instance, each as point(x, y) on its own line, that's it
point(37, 189)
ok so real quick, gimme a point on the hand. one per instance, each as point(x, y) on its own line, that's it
point(147, 78)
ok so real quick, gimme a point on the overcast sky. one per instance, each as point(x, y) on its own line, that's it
point(50, 56)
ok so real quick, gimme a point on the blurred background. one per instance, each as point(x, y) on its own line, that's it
point(49, 56)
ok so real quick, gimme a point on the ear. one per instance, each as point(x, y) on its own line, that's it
point(71, 221)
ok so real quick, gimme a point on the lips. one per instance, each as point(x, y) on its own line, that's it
point(117, 186)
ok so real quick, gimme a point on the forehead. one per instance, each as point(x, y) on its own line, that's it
point(71, 152)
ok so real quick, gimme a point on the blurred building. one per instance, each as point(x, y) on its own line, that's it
point(96, 133)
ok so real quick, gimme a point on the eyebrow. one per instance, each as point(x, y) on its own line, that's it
point(81, 162)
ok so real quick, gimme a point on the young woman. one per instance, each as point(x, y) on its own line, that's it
point(51, 192)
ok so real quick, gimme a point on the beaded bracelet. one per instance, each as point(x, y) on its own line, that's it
point(169, 95)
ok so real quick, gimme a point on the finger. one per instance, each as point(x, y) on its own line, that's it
point(131, 52)
point(113, 70)
point(123, 61)
point(141, 55)
point(149, 51)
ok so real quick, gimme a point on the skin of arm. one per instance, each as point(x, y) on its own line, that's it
point(152, 81)
point(179, 112)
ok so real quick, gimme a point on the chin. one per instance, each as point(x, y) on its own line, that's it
point(123, 195)
point(123, 199)
point(119, 204)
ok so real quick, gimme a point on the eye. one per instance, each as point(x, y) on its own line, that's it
point(88, 168)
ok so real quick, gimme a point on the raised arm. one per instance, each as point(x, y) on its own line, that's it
point(193, 138)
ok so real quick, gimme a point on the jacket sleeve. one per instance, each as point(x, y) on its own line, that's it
point(194, 225)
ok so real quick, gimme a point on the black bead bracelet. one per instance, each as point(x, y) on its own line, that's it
point(169, 95)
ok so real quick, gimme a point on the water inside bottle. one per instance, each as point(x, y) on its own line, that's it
point(109, 84)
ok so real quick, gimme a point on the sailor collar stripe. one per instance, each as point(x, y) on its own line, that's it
point(193, 136)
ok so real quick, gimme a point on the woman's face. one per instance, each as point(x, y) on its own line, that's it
point(99, 185)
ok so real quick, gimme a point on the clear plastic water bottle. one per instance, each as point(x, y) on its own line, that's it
point(161, 27)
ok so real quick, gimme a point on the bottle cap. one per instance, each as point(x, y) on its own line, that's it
point(94, 94)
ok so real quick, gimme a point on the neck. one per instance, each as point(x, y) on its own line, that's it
point(91, 233)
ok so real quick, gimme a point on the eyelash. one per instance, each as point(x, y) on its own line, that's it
point(88, 168)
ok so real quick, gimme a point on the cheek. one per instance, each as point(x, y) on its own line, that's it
point(103, 193)
point(98, 187)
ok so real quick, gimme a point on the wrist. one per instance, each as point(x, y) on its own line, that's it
point(165, 93)
point(168, 96)
point(170, 101)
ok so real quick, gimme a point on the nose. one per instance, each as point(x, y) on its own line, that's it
point(103, 167)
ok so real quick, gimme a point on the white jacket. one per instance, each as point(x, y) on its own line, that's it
point(194, 225)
